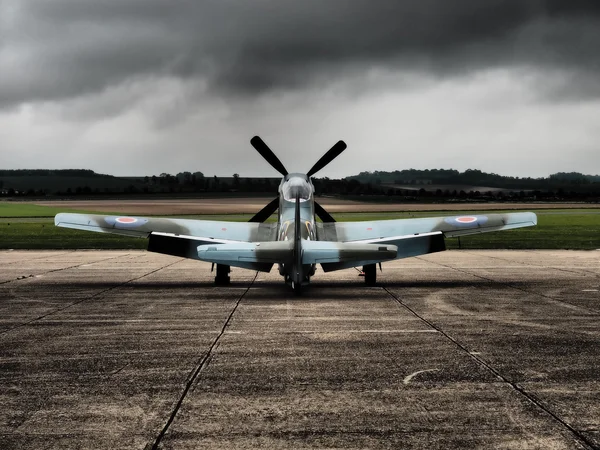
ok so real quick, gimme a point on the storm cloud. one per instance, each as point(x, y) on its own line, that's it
point(60, 49)
point(479, 80)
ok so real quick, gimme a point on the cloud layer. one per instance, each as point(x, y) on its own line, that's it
point(61, 49)
point(123, 80)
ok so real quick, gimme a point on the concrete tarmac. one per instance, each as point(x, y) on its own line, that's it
point(461, 349)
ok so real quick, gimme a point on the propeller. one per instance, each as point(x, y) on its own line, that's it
point(266, 212)
point(323, 215)
point(268, 154)
point(333, 153)
point(264, 150)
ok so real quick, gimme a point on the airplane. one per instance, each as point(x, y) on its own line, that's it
point(297, 242)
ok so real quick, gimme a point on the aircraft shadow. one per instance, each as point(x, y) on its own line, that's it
point(277, 290)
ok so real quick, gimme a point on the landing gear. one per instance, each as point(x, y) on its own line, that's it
point(222, 278)
point(370, 271)
point(297, 287)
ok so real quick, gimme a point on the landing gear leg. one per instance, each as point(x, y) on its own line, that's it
point(222, 278)
point(370, 271)
point(297, 287)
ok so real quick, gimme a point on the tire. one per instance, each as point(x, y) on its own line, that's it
point(370, 271)
point(222, 278)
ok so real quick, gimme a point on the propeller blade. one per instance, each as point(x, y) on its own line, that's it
point(323, 215)
point(333, 153)
point(268, 154)
point(266, 212)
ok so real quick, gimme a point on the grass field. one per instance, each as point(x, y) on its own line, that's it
point(9, 209)
point(25, 226)
point(24, 210)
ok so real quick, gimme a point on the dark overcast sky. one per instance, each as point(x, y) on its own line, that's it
point(133, 87)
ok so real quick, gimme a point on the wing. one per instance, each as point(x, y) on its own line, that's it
point(177, 237)
point(208, 230)
point(452, 226)
point(415, 237)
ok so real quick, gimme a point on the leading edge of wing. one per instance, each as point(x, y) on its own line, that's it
point(143, 227)
point(450, 226)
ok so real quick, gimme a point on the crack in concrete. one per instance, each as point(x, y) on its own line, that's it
point(66, 252)
point(195, 374)
point(58, 270)
point(532, 398)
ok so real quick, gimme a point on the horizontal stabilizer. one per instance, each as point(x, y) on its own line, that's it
point(250, 255)
point(323, 252)
point(414, 245)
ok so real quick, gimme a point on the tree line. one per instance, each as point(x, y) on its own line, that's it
point(50, 173)
point(475, 177)
point(405, 185)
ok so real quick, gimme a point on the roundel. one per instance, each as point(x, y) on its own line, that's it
point(466, 219)
point(126, 220)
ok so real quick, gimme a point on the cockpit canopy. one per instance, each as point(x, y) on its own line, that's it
point(296, 186)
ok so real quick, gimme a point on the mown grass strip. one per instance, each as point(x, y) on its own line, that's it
point(554, 231)
point(46, 236)
point(24, 210)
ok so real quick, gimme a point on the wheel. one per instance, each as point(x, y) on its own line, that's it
point(222, 278)
point(370, 271)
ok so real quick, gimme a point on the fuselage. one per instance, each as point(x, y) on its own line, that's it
point(296, 223)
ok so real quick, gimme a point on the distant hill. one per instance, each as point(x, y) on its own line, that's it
point(42, 182)
point(575, 177)
point(51, 173)
point(473, 178)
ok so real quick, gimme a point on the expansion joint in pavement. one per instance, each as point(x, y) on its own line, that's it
point(198, 370)
point(577, 435)
point(59, 270)
point(35, 259)
point(97, 294)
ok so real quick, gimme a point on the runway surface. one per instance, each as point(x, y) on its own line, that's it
point(462, 349)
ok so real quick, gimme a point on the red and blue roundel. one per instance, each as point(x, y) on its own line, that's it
point(125, 221)
point(466, 221)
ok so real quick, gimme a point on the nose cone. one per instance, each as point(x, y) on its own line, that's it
point(296, 187)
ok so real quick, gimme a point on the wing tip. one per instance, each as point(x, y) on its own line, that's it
point(535, 219)
point(58, 219)
point(531, 217)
